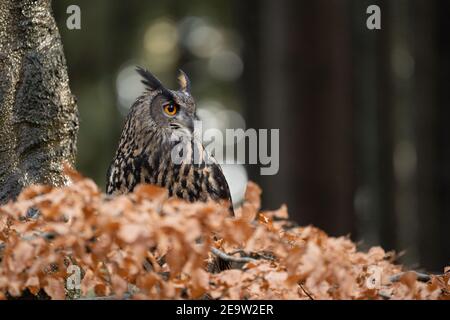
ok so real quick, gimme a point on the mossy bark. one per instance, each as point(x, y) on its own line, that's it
point(38, 113)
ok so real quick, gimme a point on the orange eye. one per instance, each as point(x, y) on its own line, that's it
point(170, 109)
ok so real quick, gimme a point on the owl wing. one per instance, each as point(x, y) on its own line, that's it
point(217, 185)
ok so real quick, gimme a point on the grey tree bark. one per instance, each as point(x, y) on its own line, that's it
point(38, 113)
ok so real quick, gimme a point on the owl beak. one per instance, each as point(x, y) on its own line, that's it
point(190, 124)
point(186, 122)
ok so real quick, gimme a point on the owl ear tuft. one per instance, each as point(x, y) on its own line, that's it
point(149, 80)
point(185, 83)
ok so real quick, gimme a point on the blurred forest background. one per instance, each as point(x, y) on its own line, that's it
point(363, 114)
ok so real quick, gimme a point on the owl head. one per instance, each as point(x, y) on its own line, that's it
point(171, 111)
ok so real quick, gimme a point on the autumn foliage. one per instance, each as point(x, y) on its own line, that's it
point(146, 246)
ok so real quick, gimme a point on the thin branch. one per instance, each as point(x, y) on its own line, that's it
point(246, 254)
point(305, 291)
point(229, 258)
point(241, 251)
point(384, 295)
point(422, 277)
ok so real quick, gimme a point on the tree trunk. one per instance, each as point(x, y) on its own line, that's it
point(299, 75)
point(38, 113)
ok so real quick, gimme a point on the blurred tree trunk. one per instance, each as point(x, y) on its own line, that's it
point(426, 129)
point(372, 97)
point(298, 74)
point(442, 116)
point(38, 113)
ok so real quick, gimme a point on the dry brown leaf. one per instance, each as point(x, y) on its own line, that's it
point(161, 247)
point(55, 288)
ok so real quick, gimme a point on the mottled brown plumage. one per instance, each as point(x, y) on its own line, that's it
point(159, 147)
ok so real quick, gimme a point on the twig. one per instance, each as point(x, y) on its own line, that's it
point(305, 291)
point(259, 255)
point(384, 295)
point(229, 258)
point(422, 277)
point(241, 251)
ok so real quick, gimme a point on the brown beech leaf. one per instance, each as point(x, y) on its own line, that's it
point(160, 248)
point(70, 172)
point(23, 254)
point(119, 285)
point(33, 191)
point(150, 192)
point(55, 288)
point(33, 284)
point(199, 283)
point(253, 195)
